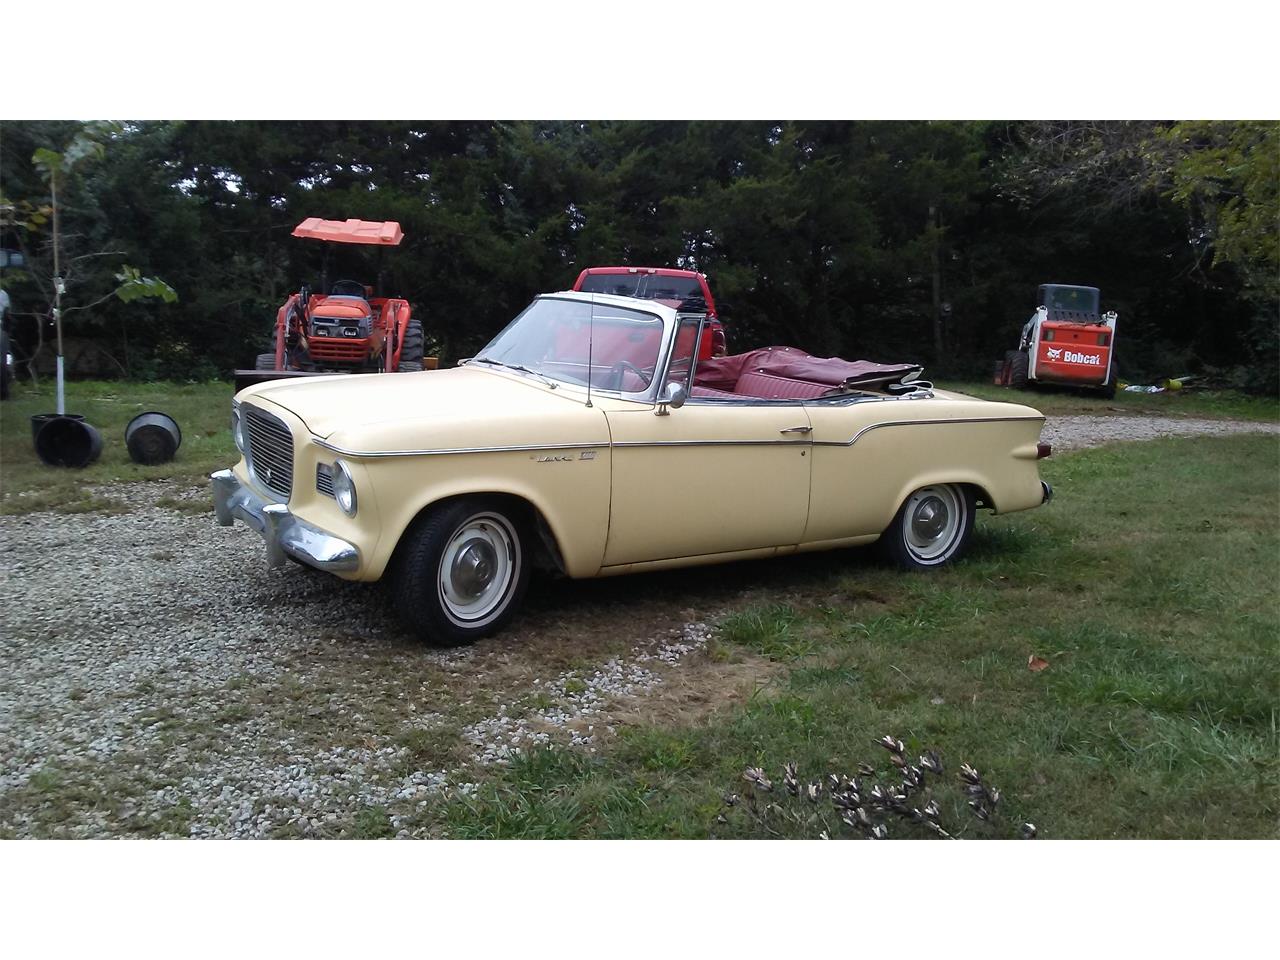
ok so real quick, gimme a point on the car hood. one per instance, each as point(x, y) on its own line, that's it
point(460, 407)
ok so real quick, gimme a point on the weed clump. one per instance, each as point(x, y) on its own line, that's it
point(905, 800)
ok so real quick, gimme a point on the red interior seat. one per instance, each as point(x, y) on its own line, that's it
point(710, 392)
point(765, 386)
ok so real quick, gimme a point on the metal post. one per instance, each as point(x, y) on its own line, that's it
point(57, 291)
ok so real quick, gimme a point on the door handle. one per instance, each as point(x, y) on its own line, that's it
point(805, 429)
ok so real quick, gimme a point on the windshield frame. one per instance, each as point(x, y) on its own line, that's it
point(665, 315)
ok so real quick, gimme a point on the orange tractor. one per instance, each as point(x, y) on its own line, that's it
point(344, 328)
point(1067, 342)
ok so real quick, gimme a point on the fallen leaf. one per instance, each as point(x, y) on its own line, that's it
point(1036, 664)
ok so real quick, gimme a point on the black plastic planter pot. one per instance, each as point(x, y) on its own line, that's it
point(68, 442)
point(38, 420)
point(152, 438)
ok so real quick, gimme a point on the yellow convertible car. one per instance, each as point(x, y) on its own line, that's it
point(597, 435)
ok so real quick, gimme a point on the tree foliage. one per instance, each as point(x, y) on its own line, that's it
point(879, 239)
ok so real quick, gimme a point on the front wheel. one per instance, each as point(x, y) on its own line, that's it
point(931, 528)
point(1019, 369)
point(462, 573)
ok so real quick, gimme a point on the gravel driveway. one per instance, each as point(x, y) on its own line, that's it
point(158, 681)
point(1072, 433)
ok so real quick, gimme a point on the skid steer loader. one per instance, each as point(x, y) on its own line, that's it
point(1066, 342)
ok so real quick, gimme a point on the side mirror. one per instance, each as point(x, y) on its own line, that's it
point(673, 395)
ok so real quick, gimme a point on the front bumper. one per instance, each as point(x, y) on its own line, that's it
point(285, 534)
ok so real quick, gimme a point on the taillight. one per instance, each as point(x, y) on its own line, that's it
point(1043, 450)
point(1104, 339)
point(1047, 335)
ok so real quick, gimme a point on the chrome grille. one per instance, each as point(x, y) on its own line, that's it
point(270, 450)
point(324, 479)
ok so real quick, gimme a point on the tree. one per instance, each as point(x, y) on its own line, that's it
point(57, 168)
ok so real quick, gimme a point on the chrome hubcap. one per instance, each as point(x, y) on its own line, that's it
point(473, 568)
point(930, 519)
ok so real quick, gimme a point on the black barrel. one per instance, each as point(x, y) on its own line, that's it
point(38, 420)
point(68, 442)
point(152, 438)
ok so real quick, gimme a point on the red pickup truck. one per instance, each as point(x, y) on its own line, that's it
point(666, 285)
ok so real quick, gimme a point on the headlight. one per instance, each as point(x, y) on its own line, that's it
point(237, 428)
point(344, 488)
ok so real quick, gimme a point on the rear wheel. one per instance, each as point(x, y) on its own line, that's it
point(265, 361)
point(462, 572)
point(411, 352)
point(932, 527)
point(1019, 367)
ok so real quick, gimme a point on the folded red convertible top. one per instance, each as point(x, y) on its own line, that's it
point(722, 373)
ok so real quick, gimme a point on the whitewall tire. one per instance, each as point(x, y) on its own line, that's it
point(931, 528)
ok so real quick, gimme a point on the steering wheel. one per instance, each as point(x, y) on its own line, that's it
point(347, 288)
point(619, 370)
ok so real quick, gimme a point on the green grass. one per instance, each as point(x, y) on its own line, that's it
point(372, 823)
point(1191, 402)
point(1149, 585)
point(202, 411)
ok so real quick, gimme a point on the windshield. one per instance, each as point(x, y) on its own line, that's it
point(646, 286)
point(554, 338)
point(1080, 299)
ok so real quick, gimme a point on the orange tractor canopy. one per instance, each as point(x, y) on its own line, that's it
point(1067, 342)
point(343, 328)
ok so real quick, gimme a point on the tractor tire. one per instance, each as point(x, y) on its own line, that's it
point(1019, 366)
point(411, 350)
point(265, 361)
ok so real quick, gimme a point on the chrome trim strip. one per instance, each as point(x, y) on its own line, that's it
point(527, 448)
point(916, 423)
point(712, 443)
point(521, 448)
